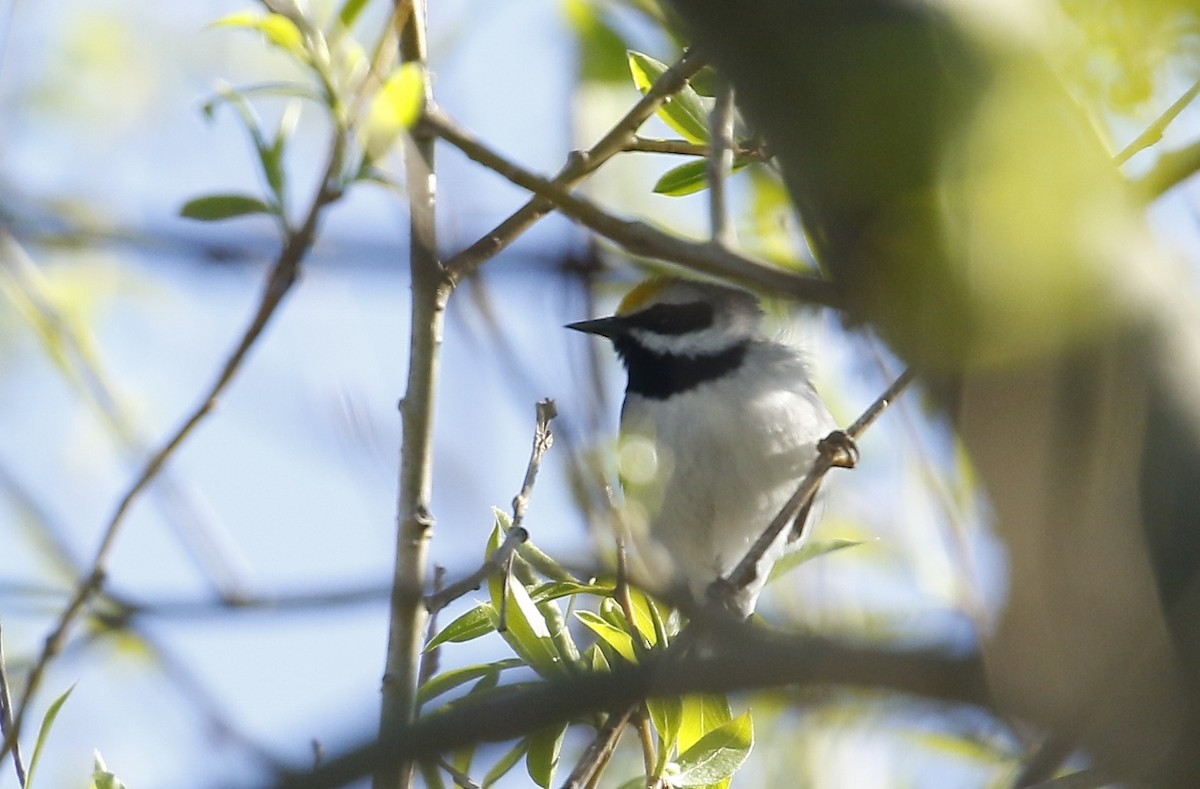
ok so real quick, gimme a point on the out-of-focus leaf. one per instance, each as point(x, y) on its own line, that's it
point(506, 763)
point(686, 112)
point(717, 755)
point(396, 107)
point(614, 636)
point(689, 178)
point(44, 733)
point(213, 208)
point(595, 658)
point(643, 617)
point(471, 625)
point(349, 12)
point(102, 778)
point(602, 51)
point(542, 757)
point(450, 680)
point(808, 552)
point(276, 28)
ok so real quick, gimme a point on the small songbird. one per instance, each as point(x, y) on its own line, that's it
point(718, 427)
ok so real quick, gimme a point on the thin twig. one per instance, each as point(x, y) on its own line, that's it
point(600, 749)
point(493, 564)
point(720, 164)
point(460, 778)
point(543, 439)
point(279, 283)
point(637, 237)
point(578, 167)
point(746, 570)
point(414, 519)
point(743, 149)
point(431, 658)
point(6, 717)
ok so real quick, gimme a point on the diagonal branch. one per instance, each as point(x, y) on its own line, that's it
point(578, 167)
point(637, 237)
point(746, 570)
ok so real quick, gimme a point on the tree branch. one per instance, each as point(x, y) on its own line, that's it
point(746, 570)
point(430, 292)
point(578, 167)
point(743, 657)
point(636, 237)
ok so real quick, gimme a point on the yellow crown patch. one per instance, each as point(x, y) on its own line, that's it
point(641, 294)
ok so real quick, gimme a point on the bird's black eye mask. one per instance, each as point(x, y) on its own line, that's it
point(672, 319)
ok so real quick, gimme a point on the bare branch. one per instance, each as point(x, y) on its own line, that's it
point(636, 237)
point(493, 564)
point(720, 164)
point(414, 520)
point(577, 168)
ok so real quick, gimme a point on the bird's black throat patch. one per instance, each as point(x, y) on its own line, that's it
point(659, 375)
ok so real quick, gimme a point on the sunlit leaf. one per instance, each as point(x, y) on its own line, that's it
point(553, 590)
point(213, 208)
point(526, 631)
point(667, 716)
point(450, 680)
point(276, 28)
point(615, 637)
point(717, 755)
point(396, 107)
point(44, 733)
point(471, 625)
point(686, 112)
point(701, 714)
point(542, 758)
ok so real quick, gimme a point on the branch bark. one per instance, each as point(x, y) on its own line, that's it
point(430, 292)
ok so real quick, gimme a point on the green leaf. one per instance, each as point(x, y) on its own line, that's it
point(276, 28)
point(614, 636)
point(396, 107)
point(101, 777)
point(808, 552)
point(542, 758)
point(595, 658)
point(717, 755)
point(527, 633)
point(667, 716)
point(602, 52)
point(685, 112)
point(44, 733)
point(506, 763)
point(701, 714)
point(646, 621)
point(214, 208)
point(471, 625)
point(348, 13)
point(690, 177)
point(450, 680)
point(553, 590)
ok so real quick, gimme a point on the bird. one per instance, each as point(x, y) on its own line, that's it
point(718, 427)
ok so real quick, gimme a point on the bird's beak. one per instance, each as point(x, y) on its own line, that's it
point(605, 327)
